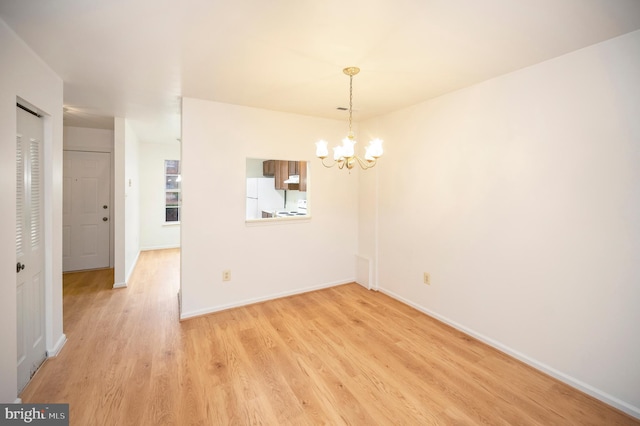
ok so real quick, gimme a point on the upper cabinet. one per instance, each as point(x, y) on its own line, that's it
point(302, 171)
point(282, 174)
point(294, 167)
point(284, 171)
point(269, 168)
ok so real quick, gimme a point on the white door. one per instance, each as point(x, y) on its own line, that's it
point(29, 246)
point(86, 217)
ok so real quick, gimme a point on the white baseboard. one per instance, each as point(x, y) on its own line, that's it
point(127, 278)
point(151, 248)
point(200, 312)
point(18, 401)
point(57, 347)
point(128, 274)
point(565, 378)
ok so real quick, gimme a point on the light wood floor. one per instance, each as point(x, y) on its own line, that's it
point(343, 355)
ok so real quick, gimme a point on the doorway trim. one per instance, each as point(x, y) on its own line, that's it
point(72, 153)
point(104, 148)
point(52, 202)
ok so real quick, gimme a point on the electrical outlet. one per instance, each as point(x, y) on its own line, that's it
point(427, 278)
point(226, 275)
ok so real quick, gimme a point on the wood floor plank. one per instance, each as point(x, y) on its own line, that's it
point(343, 355)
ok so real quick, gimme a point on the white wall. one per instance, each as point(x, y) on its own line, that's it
point(83, 139)
point(119, 272)
point(521, 197)
point(93, 140)
point(368, 229)
point(132, 200)
point(127, 201)
point(24, 75)
point(265, 260)
point(154, 232)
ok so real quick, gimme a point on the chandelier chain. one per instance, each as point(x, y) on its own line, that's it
point(350, 103)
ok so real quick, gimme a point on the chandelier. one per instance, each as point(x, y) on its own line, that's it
point(344, 155)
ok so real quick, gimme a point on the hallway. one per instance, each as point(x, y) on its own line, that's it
point(113, 335)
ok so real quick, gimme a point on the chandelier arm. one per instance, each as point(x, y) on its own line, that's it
point(328, 166)
point(365, 164)
point(371, 163)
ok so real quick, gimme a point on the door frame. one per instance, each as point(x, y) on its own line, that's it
point(52, 235)
point(35, 312)
point(102, 150)
point(107, 150)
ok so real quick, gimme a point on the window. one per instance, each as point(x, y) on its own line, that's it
point(173, 197)
point(276, 189)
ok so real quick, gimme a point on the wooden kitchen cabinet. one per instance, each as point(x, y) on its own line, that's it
point(281, 174)
point(269, 168)
point(294, 168)
point(282, 169)
point(302, 171)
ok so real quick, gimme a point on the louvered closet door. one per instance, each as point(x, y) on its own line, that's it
point(29, 246)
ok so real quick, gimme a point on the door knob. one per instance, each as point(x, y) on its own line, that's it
point(19, 267)
point(104, 207)
point(104, 219)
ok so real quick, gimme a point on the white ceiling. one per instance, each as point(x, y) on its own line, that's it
point(136, 58)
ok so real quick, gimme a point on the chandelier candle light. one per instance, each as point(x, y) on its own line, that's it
point(344, 155)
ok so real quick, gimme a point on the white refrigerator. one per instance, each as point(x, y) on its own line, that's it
point(263, 195)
